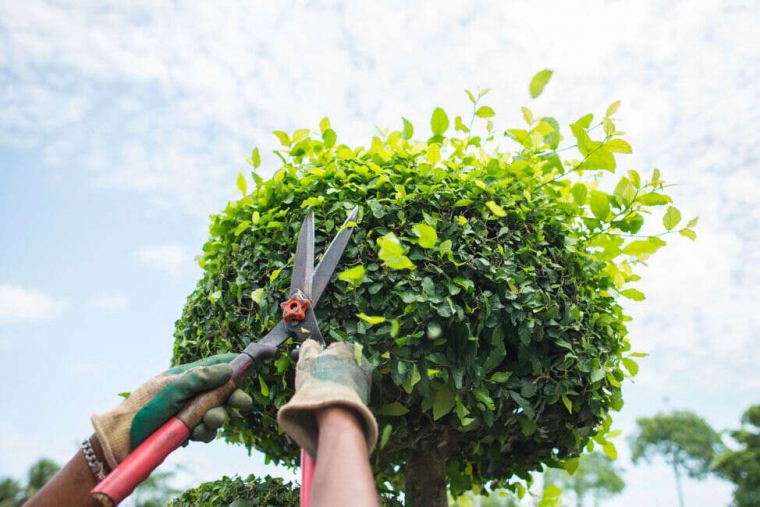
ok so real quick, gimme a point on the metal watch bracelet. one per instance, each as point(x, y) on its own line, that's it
point(96, 466)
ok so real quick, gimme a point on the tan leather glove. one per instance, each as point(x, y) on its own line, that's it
point(323, 379)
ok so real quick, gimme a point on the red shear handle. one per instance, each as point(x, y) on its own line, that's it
point(307, 476)
point(120, 483)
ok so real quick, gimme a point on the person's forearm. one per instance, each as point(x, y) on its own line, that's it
point(72, 484)
point(343, 477)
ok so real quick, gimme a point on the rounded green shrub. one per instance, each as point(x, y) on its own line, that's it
point(237, 492)
point(482, 284)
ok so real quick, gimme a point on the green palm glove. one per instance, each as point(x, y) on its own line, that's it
point(121, 430)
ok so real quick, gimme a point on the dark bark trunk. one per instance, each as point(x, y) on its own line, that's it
point(425, 477)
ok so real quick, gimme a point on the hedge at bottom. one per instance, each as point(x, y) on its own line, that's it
point(250, 492)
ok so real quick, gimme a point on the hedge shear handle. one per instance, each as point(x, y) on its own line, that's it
point(299, 322)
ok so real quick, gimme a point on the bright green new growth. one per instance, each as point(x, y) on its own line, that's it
point(497, 275)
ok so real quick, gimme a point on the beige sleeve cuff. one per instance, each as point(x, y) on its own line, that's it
point(297, 419)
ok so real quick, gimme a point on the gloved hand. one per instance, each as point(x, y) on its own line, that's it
point(323, 379)
point(121, 430)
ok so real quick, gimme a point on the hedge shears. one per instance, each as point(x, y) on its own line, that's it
point(298, 321)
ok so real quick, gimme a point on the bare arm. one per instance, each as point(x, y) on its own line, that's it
point(71, 486)
point(343, 477)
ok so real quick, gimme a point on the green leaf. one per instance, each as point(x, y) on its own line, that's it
point(371, 320)
point(300, 135)
point(444, 402)
point(283, 137)
point(354, 276)
point(329, 137)
point(643, 247)
point(484, 112)
point(527, 115)
point(264, 387)
point(392, 253)
point(539, 81)
point(692, 222)
point(386, 435)
point(241, 184)
point(625, 191)
point(501, 376)
point(571, 465)
point(462, 202)
point(256, 295)
point(469, 285)
point(635, 178)
point(408, 131)
point(426, 234)
point(324, 124)
point(618, 146)
point(393, 409)
point(600, 159)
point(358, 347)
point(124, 395)
point(579, 191)
point(439, 122)
point(242, 227)
point(653, 199)
point(671, 218)
point(688, 233)
point(631, 365)
point(274, 275)
point(612, 109)
point(496, 209)
point(600, 205)
point(255, 158)
point(552, 491)
point(469, 94)
point(313, 201)
point(433, 154)
point(633, 294)
point(482, 395)
point(568, 404)
point(609, 450)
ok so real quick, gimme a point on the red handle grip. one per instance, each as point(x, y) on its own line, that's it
point(308, 465)
point(120, 483)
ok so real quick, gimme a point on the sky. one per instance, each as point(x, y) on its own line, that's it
point(123, 125)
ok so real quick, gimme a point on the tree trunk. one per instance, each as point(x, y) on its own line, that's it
point(678, 485)
point(425, 477)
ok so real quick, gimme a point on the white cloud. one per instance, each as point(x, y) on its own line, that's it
point(108, 302)
point(172, 258)
point(18, 304)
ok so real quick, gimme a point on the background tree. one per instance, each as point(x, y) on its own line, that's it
point(686, 441)
point(156, 490)
point(596, 476)
point(9, 492)
point(482, 284)
point(742, 466)
point(13, 495)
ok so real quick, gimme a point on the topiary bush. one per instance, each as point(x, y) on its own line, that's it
point(483, 284)
point(238, 492)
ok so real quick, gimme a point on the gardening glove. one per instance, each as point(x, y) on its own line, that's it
point(323, 379)
point(124, 428)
